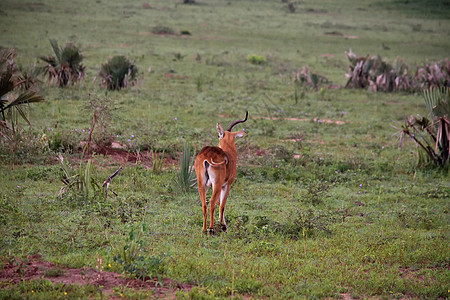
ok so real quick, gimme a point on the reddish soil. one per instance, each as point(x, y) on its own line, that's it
point(123, 156)
point(35, 268)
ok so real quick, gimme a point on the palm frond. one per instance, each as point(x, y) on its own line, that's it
point(24, 98)
point(56, 49)
point(437, 101)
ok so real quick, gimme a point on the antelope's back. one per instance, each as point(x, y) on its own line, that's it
point(212, 154)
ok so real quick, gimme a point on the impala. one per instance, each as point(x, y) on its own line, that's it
point(216, 167)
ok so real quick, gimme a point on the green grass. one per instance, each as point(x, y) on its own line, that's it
point(350, 215)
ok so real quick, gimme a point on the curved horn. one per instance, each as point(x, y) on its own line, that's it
point(237, 122)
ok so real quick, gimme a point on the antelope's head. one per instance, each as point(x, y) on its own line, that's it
point(227, 137)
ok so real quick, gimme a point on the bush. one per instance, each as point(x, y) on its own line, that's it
point(434, 75)
point(162, 30)
point(256, 59)
point(65, 66)
point(374, 73)
point(117, 73)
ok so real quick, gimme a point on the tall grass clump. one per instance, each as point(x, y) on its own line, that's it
point(64, 67)
point(432, 134)
point(117, 73)
point(186, 171)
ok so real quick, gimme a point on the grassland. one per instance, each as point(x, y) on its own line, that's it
point(325, 204)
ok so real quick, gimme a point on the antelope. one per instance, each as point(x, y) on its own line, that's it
point(216, 167)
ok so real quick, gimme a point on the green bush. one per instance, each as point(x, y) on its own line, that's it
point(256, 59)
point(117, 73)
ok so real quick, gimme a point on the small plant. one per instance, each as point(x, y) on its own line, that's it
point(117, 73)
point(186, 172)
point(65, 66)
point(432, 135)
point(256, 59)
point(56, 272)
point(133, 257)
point(102, 136)
point(80, 181)
point(157, 162)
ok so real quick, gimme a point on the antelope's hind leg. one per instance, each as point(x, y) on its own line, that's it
point(223, 199)
point(201, 183)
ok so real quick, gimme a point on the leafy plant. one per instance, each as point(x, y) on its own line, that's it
point(65, 66)
point(13, 101)
point(432, 135)
point(117, 73)
point(186, 171)
point(133, 257)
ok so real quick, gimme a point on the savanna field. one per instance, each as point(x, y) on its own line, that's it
point(333, 197)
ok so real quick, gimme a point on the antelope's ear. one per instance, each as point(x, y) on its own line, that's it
point(220, 131)
point(239, 134)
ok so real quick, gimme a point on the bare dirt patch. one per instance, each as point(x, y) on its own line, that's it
point(33, 268)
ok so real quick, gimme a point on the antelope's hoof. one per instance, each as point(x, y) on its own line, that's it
point(224, 228)
point(210, 231)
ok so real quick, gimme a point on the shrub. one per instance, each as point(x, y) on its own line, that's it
point(434, 75)
point(159, 29)
point(117, 73)
point(65, 66)
point(256, 59)
point(374, 73)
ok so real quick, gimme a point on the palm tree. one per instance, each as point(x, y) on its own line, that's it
point(65, 66)
point(432, 134)
point(12, 100)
